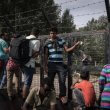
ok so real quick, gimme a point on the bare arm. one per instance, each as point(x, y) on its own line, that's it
point(71, 48)
point(52, 107)
point(6, 50)
point(35, 54)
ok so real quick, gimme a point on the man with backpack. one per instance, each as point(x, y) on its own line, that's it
point(24, 50)
point(29, 68)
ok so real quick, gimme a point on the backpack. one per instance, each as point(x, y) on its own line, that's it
point(19, 50)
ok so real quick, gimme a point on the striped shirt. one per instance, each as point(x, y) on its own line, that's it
point(55, 49)
point(104, 84)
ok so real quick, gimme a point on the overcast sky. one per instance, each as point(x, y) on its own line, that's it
point(96, 9)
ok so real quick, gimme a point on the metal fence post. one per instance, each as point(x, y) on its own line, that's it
point(69, 71)
point(41, 61)
point(108, 35)
point(108, 40)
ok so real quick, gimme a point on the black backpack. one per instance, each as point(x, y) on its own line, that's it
point(19, 50)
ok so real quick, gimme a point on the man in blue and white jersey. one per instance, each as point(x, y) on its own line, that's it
point(54, 60)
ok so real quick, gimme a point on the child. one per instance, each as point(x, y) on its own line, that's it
point(87, 89)
point(104, 84)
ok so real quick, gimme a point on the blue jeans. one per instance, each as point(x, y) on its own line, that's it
point(58, 68)
point(28, 75)
point(4, 75)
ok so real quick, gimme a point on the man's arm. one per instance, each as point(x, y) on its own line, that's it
point(35, 54)
point(30, 100)
point(71, 48)
point(5, 47)
point(6, 50)
point(52, 107)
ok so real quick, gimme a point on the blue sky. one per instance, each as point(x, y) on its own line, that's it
point(95, 10)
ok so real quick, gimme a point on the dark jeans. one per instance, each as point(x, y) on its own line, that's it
point(58, 68)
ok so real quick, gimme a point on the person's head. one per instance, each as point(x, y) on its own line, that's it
point(53, 32)
point(35, 31)
point(5, 36)
point(16, 35)
point(84, 75)
point(45, 86)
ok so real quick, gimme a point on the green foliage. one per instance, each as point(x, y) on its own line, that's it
point(67, 22)
point(25, 21)
point(94, 46)
point(94, 24)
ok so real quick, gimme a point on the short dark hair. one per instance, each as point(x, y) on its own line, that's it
point(54, 29)
point(35, 31)
point(46, 81)
point(84, 75)
point(16, 35)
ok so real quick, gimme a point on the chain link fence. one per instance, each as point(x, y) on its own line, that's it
point(93, 46)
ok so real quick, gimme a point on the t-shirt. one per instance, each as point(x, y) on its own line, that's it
point(34, 45)
point(55, 49)
point(3, 45)
point(88, 91)
point(33, 98)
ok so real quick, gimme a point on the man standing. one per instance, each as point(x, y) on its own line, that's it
point(29, 68)
point(54, 60)
point(3, 59)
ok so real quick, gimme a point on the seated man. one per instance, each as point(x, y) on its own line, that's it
point(43, 96)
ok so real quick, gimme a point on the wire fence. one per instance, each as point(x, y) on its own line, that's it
point(23, 21)
point(93, 43)
point(93, 46)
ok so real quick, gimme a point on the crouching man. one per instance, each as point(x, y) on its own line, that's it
point(42, 98)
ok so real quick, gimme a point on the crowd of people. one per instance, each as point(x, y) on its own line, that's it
point(15, 61)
